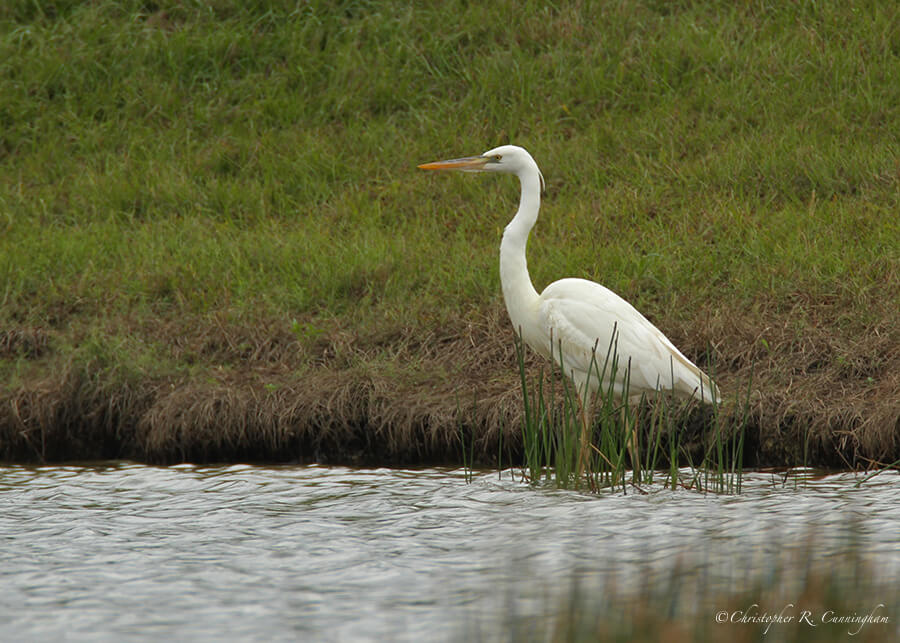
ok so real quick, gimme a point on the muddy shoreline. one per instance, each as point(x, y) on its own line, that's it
point(168, 423)
point(392, 399)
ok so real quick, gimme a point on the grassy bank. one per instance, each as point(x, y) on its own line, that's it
point(214, 243)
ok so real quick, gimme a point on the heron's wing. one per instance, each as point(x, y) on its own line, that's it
point(583, 316)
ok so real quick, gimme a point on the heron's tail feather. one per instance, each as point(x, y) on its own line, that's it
point(694, 383)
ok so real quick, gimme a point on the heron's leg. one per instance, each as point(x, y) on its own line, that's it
point(629, 424)
point(584, 407)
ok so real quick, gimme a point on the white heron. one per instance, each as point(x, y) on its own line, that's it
point(575, 321)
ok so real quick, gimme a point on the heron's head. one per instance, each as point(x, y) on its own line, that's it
point(509, 159)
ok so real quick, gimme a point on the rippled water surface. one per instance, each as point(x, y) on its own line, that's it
point(123, 551)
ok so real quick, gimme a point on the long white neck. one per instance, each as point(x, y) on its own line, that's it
point(518, 292)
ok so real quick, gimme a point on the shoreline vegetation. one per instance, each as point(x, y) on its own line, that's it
point(214, 244)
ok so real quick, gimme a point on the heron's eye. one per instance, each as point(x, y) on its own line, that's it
point(496, 158)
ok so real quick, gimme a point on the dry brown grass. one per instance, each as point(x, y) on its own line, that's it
point(30, 343)
point(397, 395)
point(836, 395)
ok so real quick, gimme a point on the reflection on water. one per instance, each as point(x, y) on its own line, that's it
point(288, 553)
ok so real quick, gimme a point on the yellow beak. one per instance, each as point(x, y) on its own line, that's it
point(469, 163)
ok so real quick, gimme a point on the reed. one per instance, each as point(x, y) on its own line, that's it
point(625, 443)
point(467, 441)
point(558, 447)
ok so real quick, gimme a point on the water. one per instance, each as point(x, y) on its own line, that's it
point(122, 551)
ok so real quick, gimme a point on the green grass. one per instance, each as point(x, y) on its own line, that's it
point(683, 147)
point(256, 161)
